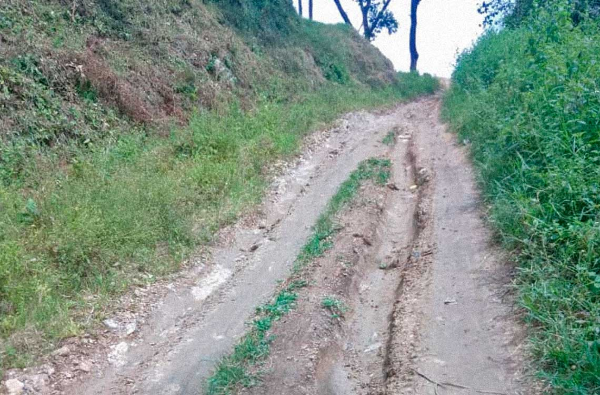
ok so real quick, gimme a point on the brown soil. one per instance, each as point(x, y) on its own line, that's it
point(425, 292)
point(423, 286)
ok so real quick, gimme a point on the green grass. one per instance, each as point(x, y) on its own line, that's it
point(416, 85)
point(77, 230)
point(336, 307)
point(390, 138)
point(233, 370)
point(254, 346)
point(527, 99)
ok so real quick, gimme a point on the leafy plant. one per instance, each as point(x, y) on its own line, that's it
point(390, 138)
point(335, 306)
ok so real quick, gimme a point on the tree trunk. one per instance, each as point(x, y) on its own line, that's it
point(364, 9)
point(310, 9)
point(414, 55)
point(342, 12)
point(300, 7)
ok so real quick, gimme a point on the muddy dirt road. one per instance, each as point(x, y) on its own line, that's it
point(426, 310)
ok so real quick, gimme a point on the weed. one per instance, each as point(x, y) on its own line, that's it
point(232, 370)
point(336, 307)
point(390, 138)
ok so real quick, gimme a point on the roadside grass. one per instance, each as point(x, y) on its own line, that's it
point(233, 370)
point(415, 84)
point(527, 99)
point(128, 208)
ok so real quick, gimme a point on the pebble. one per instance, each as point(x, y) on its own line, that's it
point(62, 351)
point(84, 366)
point(112, 324)
point(14, 387)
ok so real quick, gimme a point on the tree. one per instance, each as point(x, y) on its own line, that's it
point(342, 12)
point(375, 17)
point(310, 9)
point(414, 55)
point(300, 7)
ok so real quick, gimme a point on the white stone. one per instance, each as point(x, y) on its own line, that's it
point(14, 387)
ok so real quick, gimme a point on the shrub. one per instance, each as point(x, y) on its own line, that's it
point(527, 99)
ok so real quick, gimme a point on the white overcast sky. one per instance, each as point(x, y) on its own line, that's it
point(445, 28)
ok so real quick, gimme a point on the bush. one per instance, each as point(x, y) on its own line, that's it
point(527, 98)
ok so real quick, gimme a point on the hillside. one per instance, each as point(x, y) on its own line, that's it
point(131, 131)
point(526, 100)
point(156, 61)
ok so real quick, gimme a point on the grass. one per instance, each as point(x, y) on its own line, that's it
point(233, 370)
point(336, 307)
point(390, 138)
point(254, 346)
point(527, 99)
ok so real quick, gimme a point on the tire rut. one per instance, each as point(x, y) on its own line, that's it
point(412, 262)
point(405, 324)
point(192, 327)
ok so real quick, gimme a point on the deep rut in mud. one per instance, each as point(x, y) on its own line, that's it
point(411, 267)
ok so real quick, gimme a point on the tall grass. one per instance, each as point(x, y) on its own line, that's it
point(528, 100)
point(129, 208)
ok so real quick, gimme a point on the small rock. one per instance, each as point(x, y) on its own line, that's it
point(61, 352)
point(14, 387)
point(117, 356)
point(130, 328)
point(373, 347)
point(84, 366)
point(112, 324)
point(39, 381)
point(49, 370)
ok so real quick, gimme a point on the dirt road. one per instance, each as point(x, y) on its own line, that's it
point(422, 287)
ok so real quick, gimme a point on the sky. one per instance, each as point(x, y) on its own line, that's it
point(445, 28)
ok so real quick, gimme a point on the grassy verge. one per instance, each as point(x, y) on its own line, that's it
point(527, 100)
point(232, 371)
point(129, 207)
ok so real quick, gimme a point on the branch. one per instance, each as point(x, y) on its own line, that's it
point(380, 14)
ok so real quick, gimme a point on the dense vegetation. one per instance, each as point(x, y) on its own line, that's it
point(130, 131)
point(527, 97)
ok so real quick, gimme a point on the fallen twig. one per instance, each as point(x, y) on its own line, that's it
point(448, 384)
